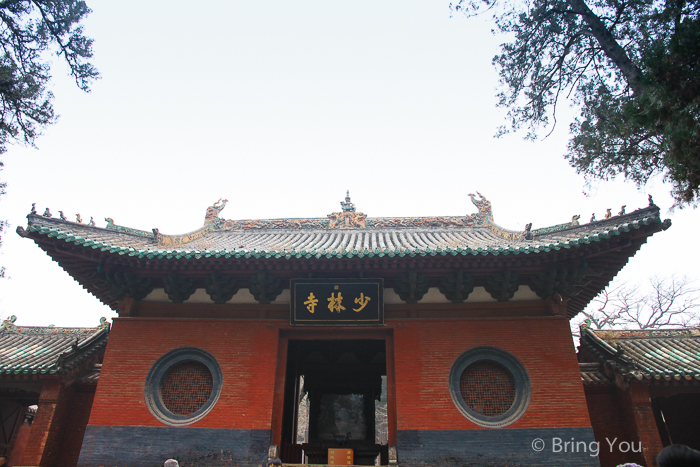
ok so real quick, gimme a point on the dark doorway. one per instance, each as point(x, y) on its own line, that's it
point(678, 419)
point(335, 396)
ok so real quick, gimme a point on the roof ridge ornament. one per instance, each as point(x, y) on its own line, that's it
point(347, 206)
point(211, 218)
point(485, 213)
point(9, 323)
point(348, 218)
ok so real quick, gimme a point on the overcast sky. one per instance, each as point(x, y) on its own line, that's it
point(281, 107)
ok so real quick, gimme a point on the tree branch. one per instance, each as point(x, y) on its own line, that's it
point(612, 49)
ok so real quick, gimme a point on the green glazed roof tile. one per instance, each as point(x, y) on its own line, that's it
point(327, 243)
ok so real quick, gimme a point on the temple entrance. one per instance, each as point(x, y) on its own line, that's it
point(335, 397)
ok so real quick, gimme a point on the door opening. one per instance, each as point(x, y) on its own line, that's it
point(335, 397)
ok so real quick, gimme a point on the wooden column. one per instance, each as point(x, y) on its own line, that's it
point(278, 398)
point(391, 389)
point(38, 446)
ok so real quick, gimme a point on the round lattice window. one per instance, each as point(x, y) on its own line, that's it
point(183, 386)
point(187, 387)
point(489, 386)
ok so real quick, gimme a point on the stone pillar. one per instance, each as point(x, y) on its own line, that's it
point(38, 447)
point(644, 422)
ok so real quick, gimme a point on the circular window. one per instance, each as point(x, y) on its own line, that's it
point(187, 387)
point(183, 386)
point(489, 386)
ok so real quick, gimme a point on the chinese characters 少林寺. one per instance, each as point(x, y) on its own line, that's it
point(362, 301)
point(311, 303)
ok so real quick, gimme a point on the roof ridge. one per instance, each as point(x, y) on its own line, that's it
point(649, 333)
point(8, 325)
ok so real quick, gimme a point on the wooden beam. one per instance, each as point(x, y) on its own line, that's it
point(278, 397)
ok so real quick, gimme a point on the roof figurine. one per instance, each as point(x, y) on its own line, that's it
point(484, 207)
point(212, 215)
point(347, 206)
point(348, 218)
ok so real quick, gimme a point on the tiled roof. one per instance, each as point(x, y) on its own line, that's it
point(47, 350)
point(660, 354)
point(396, 237)
point(577, 260)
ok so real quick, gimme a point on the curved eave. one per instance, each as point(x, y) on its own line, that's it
point(80, 256)
point(672, 376)
point(22, 370)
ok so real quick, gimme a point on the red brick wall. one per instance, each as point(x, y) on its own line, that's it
point(56, 436)
point(605, 410)
point(246, 351)
point(639, 415)
point(426, 349)
point(70, 428)
point(39, 444)
point(20, 444)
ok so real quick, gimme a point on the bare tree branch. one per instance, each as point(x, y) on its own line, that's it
point(667, 303)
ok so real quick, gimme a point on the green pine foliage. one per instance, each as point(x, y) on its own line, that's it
point(29, 29)
point(633, 68)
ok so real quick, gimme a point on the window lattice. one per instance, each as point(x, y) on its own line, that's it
point(487, 388)
point(187, 387)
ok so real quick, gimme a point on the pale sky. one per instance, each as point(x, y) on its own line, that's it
point(281, 107)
